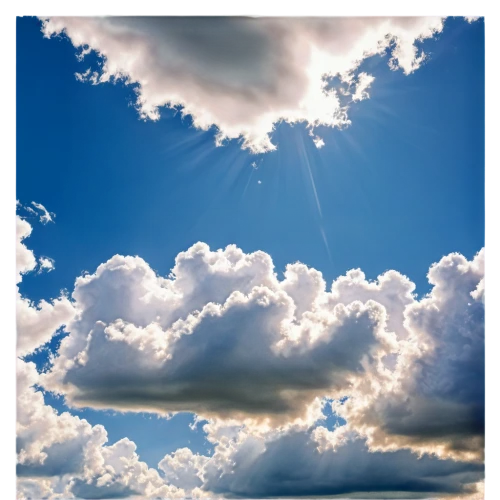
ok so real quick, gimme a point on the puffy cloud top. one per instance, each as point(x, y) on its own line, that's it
point(259, 358)
point(62, 445)
point(35, 323)
point(222, 336)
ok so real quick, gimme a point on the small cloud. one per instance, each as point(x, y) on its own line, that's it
point(46, 264)
point(471, 15)
point(45, 215)
point(259, 182)
point(471, 19)
point(364, 82)
point(318, 142)
point(256, 164)
point(20, 206)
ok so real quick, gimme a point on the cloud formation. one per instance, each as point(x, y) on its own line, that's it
point(46, 264)
point(222, 336)
point(60, 455)
point(63, 456)
point(434, 399)
point(245, 75)
point(291, 464)
point(35, 323)
point(259, 358)
point(25, 258)
point(43, 213)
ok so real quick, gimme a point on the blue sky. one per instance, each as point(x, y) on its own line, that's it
point(399, 188)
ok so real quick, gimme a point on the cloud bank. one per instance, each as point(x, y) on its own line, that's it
point(61, 455)
point(259, 357)
point(245, 75)
point(224, 337)
point(291, 465)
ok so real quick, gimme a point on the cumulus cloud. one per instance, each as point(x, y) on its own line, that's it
point(115, 471)
point(244, 75)
point(34, 488)
point(183, 468)
point(63, 456)
point(291, 464)
point(25, 258)
point(35, 323)
point(260, 356)
point(46, 264)
point(224, 336)
point(44, 215)
point(48, 444)
point(434, 400)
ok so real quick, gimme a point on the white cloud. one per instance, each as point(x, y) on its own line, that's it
point(35, 323)
point(25, 259)
point(244, 75)
point(145, 343)
point(62, 456)
point(472, 15)
point(46, 264)
point(47, 442)
point(223, 336)
point(116, 471)
point(44, 214)
point(434, 399)
point(63, 446)
point(56, 487)
point(362, 86)
point(182, 468)
point(289, 464)
point(318, 142)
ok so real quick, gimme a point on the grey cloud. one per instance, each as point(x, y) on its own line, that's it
point(62, 456)
point(223, 335)
point(436, 402)
point(291, 466)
